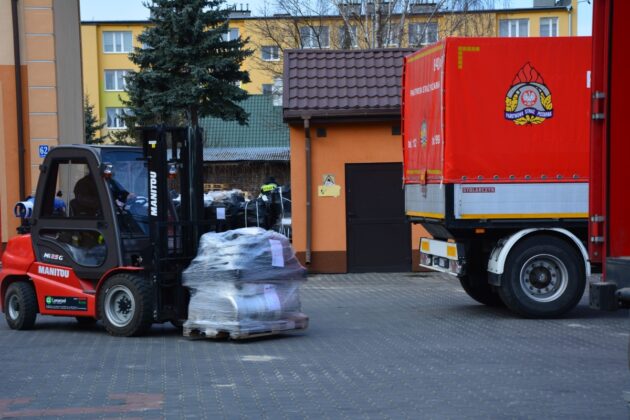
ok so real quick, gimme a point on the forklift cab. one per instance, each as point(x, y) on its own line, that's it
point(91, 210)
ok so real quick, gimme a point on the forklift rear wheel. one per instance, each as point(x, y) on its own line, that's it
point(125, 305)
point(20, 306)
point(544, 277)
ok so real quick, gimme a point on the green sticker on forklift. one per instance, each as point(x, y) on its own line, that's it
point(66, 303)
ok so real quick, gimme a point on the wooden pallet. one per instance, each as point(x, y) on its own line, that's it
point(270, 328)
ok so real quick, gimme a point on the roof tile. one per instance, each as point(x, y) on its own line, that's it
point(325, 81)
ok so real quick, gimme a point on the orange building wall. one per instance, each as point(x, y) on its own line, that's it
point(9, 150)
point(41, 103)
point(344, 143)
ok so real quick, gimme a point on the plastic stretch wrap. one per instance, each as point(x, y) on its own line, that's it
point(244, 282)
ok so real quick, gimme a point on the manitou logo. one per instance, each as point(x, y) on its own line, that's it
point(54, 257)
point(53, 271)
point(153, 193)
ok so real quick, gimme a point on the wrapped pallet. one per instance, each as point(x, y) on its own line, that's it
point(244, 283)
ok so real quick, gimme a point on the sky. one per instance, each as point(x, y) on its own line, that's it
point(134, 10)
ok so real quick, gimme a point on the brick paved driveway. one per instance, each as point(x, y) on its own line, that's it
point(379, 346)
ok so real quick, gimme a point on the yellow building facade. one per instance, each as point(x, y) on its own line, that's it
point(106, 45)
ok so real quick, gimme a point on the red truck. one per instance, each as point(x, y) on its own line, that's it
point(496, 166)
point(609, 226)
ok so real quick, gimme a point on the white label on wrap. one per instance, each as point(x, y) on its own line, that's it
point(277, 256)
point(220, 213)
point(271, 298)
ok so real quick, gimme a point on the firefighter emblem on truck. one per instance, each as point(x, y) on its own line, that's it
point(528, 100)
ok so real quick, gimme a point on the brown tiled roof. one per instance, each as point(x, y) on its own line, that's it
point(342, 83)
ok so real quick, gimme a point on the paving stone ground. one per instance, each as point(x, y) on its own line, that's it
point(379, 346)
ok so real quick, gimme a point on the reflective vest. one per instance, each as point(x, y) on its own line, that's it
point(267, 188)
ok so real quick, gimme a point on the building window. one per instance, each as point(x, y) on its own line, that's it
point(347, 36)
point(115, 80)
point(115, 117)
point(270, 53)
point(391, 35)
point(117, 42)
point(422, 34)
point(514, 27)
point(230, 35)
point(314, 37)
point(276, 91)
point(549, 26)
point(267, 88)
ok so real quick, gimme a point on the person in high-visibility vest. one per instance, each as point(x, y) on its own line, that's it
point(269, 185)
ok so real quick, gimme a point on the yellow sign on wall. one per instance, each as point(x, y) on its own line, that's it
point(329, 190)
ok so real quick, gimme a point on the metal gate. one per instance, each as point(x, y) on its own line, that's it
point(378, 233)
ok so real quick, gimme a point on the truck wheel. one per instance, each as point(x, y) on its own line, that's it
point(477, 287)
point(125, 305)
point(544, 277)
point(20, 306)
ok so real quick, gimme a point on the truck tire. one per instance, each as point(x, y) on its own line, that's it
point(477, 287)
point(20, 306)
point(125, 304)
point(544, 277)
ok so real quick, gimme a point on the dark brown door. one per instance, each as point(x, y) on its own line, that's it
point(379, 236)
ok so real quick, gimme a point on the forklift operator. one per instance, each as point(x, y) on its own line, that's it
point(85, 202)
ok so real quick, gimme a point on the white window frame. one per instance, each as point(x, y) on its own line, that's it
point(276, 91)
point(266, 86)
point(116, 87)
point(118, 122)
point(124, 49)
point(419, 31)
point(550, 21)
point(511, 25)
point(354, 40)
point(313, 36)
point(273, 52)
point(232, 34)
point(392, 31)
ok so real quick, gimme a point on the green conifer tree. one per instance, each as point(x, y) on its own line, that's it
point(91, 124)
point(187, 69)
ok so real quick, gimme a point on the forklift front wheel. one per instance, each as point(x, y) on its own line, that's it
point(125, 305)
point(20, 306)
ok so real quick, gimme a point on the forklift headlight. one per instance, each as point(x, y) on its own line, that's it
point(23, 209)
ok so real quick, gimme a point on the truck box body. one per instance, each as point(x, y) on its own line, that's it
point(610, 201)
point(497, 128)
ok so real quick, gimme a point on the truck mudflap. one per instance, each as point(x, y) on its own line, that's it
point(444, 256)
point(614, 293)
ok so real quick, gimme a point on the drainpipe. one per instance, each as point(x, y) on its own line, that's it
point(18, 96)
point(309, 192)
point(570, 9)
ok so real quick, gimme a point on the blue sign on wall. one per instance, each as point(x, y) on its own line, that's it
point(43, 150)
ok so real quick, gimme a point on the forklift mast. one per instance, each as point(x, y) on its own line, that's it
point(174, 158)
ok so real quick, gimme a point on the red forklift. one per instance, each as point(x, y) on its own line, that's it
point(103, 238)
